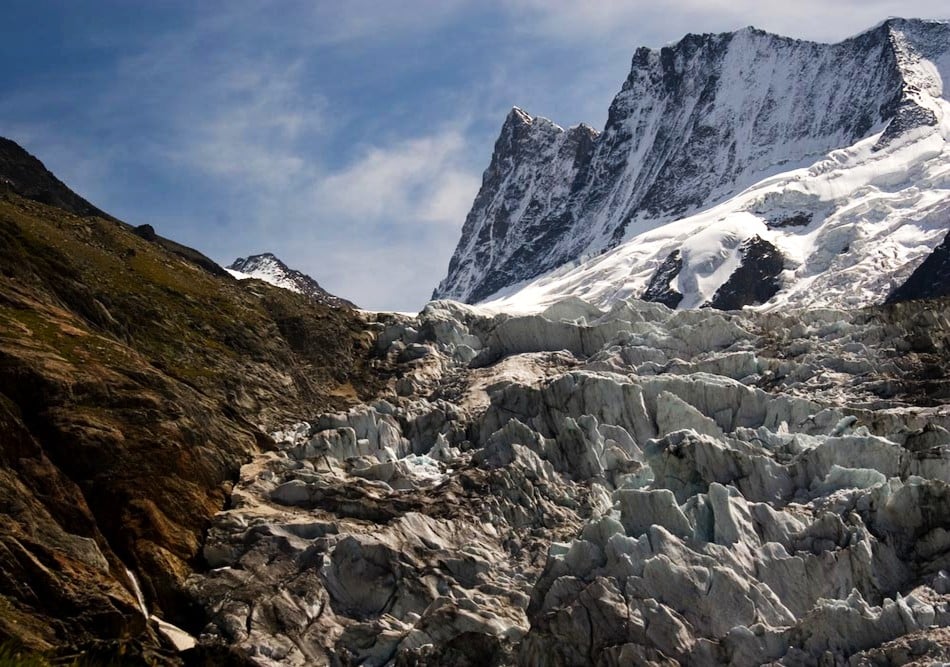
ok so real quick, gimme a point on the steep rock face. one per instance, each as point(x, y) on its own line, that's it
point(514, 221)
point(693, 124)
point(270, 269)
point(755, 280)
point(660, 289)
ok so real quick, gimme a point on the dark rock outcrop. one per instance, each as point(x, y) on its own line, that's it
point(660, 289)
point(929, 280)
point(535, 164)
point(755, 281)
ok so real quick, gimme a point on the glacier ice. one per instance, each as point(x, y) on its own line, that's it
point(605, 487)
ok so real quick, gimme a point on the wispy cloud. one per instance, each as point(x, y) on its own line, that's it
point(251, 127)
point(656, 23)
point(261, 129)
point(424, 179)
point(380, 229)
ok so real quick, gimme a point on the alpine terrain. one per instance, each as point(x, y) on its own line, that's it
point(135, 377)
point(586, 467)
point(817, 170)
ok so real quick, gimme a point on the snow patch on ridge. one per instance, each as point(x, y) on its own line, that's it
point(268, 277)
point(270, 269)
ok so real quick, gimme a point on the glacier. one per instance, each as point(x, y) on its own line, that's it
point(627, 486)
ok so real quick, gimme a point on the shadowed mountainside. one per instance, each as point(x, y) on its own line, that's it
point(135, 378)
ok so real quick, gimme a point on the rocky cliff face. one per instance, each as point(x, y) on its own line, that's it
point(514, 218)
point(694, 124)
point(270, 269)
point(133, 381)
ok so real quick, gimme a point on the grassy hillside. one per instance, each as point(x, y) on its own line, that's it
point(132, 386)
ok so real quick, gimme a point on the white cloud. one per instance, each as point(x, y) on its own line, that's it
point(396, 275)
point(450, 201)
point(424, 179)
point(249, 127)
point(377, 229)
point(386, 223)
point(653, 24)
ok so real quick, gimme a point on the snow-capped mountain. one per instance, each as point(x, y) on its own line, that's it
point(270, 269)
point(734, 169)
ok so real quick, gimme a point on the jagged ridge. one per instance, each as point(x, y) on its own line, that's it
point(694, 123)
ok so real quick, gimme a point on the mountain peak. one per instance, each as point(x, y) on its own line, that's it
point(695, 124)
point(519, 115)
point(267, 267)
point(532, 154)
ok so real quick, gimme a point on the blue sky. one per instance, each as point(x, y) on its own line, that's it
point(348, 138)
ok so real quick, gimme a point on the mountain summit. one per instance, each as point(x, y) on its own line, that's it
point(812, 130)
point(270, 269)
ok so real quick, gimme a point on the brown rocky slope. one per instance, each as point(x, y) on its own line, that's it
point(134, 381)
